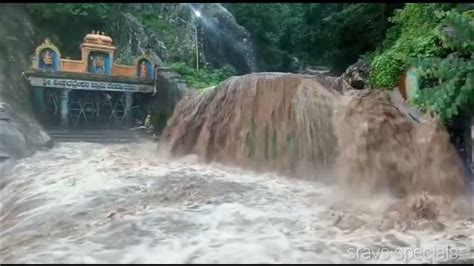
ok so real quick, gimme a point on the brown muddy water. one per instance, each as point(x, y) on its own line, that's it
point(93, 203)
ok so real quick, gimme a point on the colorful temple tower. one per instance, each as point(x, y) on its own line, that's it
point(91, 91)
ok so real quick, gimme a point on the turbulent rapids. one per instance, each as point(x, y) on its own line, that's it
point(91, 203)
point(266, 168)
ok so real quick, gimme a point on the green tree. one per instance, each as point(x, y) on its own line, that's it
point(317, 34)
point(449, 87)
point(412, 35)
point(67, 23)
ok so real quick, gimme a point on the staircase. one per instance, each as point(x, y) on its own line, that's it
point(59, 134)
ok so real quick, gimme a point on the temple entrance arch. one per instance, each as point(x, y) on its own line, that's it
point(91, 92)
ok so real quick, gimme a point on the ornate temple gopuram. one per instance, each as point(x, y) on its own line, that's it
point(92, 91)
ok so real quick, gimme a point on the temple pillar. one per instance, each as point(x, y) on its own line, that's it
point(128, 107)
point(38, 102)
point(64, 102)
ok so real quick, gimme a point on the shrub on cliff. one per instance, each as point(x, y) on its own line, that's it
point(202, 78)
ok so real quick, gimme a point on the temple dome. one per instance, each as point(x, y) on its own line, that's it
point(91, 38)
point(97, 38)
point(106, 39)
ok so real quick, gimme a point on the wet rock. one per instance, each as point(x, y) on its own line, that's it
point(20, 133)
point(356, 76)
point(224, 41)
point(171, 87)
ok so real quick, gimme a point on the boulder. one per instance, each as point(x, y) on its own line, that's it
point(356, 76)
point(170, 89)
point(20, 133)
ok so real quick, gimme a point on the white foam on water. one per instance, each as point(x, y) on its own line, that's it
point(93, 203)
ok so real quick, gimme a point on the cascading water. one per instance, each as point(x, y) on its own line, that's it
point(93, 203)
point(268, 121)
point(296, 125)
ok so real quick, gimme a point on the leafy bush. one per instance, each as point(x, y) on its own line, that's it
point(202, 78)
point(329, 34)
point(413, 35)
point(448, 82)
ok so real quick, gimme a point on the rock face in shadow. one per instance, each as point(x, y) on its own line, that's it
point(304, 126)
point(224, 41)
point(170, 89)
point(20, 133)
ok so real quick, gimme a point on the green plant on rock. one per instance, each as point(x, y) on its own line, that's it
point(202, 78)
point(448, 82)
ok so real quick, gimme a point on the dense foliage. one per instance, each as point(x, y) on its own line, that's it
point(448, 87)
point(67, 23)
point(333, 35)
point(438, 40)
point(412, 35)
point(202, 78)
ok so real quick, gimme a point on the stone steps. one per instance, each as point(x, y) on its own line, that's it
point(94, 135)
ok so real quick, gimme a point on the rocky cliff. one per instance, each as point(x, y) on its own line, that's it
point(20, 134)
point(222, 41)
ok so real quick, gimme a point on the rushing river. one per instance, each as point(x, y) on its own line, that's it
point(94, 203)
